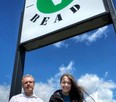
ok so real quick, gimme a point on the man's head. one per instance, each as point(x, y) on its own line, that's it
point(28, 84)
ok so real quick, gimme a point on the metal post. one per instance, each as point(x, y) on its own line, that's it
point(16, 84)
point(112, 12)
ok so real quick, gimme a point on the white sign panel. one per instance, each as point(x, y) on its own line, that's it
point(45, 16)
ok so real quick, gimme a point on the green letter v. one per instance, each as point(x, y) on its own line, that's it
point(51, 6)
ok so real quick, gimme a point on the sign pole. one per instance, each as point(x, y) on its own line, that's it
point(112, 12)
point(16, 84)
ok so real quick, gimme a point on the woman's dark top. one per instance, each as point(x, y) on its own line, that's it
point(59, 97)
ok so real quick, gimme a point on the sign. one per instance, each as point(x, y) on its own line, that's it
point(43, 17)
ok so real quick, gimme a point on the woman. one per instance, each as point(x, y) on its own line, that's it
point(70, 91)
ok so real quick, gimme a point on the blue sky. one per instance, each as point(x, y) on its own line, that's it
point(90, 57)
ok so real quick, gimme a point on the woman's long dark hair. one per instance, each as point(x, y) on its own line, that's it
point(77, 92)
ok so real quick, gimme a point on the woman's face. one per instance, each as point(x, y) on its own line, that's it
point(66, 85)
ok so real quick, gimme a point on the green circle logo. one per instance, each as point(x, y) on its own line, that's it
point(51, 6)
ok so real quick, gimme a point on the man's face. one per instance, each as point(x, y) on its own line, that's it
point(28, 85)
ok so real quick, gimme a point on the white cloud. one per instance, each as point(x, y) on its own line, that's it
point(54, 81)
point(92, 37)
point(44, 90)
point(86, 37)
point(99, 88)
point(66, 69)
point(106, 74)
point(60, 44)
point(4, 93)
